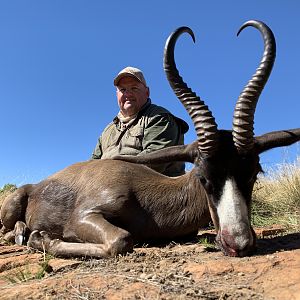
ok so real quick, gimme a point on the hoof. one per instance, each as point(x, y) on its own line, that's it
point(21, 233)
point(39, 240)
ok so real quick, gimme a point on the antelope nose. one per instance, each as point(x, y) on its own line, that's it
point(236, 245)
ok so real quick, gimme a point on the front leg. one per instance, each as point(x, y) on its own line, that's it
point(100, 239)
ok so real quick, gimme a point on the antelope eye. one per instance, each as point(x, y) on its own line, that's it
point(206, 184)
point(203, 180)
point(208, 187)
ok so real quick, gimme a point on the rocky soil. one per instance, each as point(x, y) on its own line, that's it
point(175, 271)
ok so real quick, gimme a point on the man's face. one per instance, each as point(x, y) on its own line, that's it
point(131, 95)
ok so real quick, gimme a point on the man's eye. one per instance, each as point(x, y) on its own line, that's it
point(134, 89)
point(122, 90)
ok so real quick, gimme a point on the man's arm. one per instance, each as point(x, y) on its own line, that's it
point(161, 132)
point(97, 153)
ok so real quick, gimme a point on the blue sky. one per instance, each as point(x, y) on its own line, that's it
point(58, 59)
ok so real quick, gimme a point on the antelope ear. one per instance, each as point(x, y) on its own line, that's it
point(277, 139)
point(186, 153)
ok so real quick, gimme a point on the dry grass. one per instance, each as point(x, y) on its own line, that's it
point(276, 197)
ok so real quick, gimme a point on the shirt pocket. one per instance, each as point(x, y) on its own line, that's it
point(134, 138)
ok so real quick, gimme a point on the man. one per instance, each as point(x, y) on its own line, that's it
point(140, 126)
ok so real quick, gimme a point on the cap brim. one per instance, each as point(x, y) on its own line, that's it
point(119, 77)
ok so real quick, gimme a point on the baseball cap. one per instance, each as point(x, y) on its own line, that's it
point(130, 71)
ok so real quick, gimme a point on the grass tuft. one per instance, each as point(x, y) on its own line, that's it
point(276, 197)
point(25, 273)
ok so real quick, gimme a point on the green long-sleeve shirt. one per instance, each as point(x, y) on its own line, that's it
point(154, 128)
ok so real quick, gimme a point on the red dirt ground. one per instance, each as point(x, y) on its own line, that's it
point(175, 271)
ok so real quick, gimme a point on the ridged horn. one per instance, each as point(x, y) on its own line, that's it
point(243, 118)
point(204, 122)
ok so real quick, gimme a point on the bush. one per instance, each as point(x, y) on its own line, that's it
point(6, 190)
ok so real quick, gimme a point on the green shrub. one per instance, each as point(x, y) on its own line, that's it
point(8, 188)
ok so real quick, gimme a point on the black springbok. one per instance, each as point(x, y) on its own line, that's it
point(100, 208)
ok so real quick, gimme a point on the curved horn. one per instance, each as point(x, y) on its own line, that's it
point(204, 122)
point(243, 119)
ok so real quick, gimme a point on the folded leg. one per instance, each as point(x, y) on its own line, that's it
point(100, 239)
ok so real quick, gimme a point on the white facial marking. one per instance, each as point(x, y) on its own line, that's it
point(233, 213)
